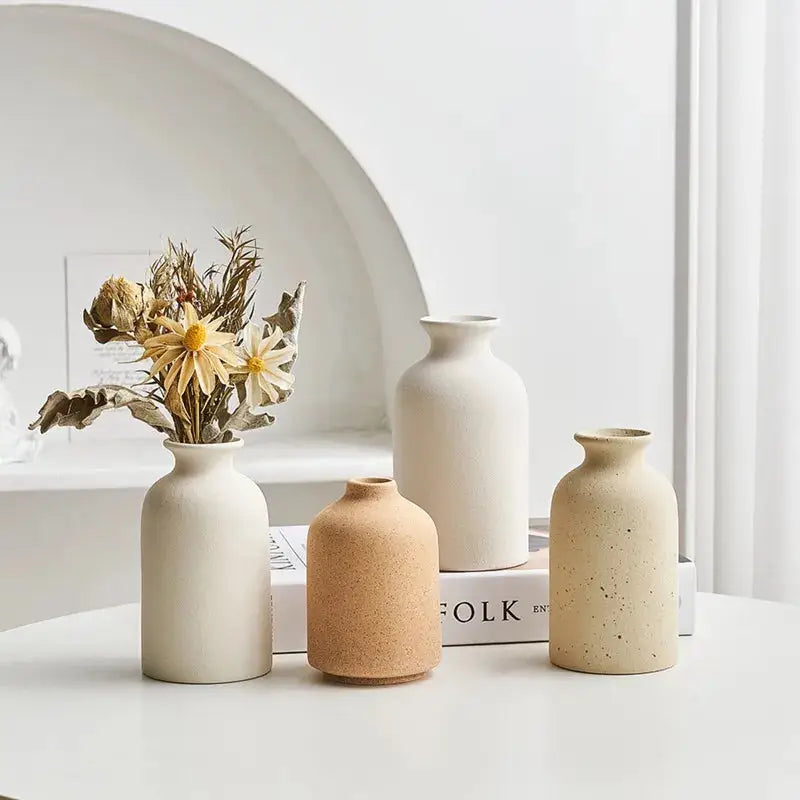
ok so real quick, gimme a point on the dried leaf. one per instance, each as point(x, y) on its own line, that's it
point(80, 409)
point(211, 434)
point(106, 335)
point(173, 402)
point(243, 419)
point(287, 318)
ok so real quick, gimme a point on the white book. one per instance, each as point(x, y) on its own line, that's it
point(501, 606)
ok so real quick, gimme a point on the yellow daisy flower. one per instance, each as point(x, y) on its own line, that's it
point(261, 365)
point(193, 347)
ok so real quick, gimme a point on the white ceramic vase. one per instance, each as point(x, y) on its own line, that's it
point(614, 560)
point(206, 614)
point(461, 445)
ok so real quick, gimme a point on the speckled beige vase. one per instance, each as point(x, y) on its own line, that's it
point(373, 587)
point(613, 560)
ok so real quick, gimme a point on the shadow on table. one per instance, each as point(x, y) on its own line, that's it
point(62, 673)
point(526, 661)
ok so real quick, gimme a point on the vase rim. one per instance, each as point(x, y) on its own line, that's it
point(171, 444)
point(462, 320)
point(370, 487)
point(372, 482)
point(610, 435)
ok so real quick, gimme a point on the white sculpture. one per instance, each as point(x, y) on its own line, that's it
point(16, 443)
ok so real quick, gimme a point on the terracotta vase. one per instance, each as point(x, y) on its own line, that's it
point(614, 560)
point(461, 446)
point(373, 587)
point(206, 614)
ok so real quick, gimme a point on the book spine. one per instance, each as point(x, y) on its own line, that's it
point(476, 608)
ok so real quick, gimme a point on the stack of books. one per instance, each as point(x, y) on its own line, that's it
point(501, 606)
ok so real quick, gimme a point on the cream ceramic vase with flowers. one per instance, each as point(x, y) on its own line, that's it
point(206, 606)
point(206, 614)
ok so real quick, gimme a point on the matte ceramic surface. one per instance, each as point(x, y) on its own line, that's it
point(206, 614)
point(373, 587)
point(461, 446)
point(613, 560)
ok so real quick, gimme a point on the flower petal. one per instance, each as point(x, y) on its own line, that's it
point(279, 378)
point(204, 371)
point(189, 315)
point(171, 324)
point(277, 357)
point(267, 387)
point(167, 357)
point(215, 323)
point(150, 353)
point(169, 339)
point(252, 338)
point(216, 365)
point(215, 337)
point(269, 342)
point(252, 390)
point(174, 371)
point(226, 355)
point(187, 371)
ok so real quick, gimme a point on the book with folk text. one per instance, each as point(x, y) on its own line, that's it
point(500, 606)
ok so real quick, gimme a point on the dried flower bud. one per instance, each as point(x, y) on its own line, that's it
point(118, 305)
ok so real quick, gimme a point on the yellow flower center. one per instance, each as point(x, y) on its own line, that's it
point(195, 337)
point(256, 364)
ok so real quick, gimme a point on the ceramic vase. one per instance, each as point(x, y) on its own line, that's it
point(614, 560)
point(461, 445)
point(373, 587)
point(206, 615)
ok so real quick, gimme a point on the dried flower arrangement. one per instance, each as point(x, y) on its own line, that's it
point(213, 370)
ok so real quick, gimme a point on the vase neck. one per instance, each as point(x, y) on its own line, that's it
point(620, 447)
point(459, 335)
point(370, 488)
point(201, 459)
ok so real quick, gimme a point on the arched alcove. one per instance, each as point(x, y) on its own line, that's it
point(119, 132)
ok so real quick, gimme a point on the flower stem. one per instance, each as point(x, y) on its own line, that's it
point(196, 413)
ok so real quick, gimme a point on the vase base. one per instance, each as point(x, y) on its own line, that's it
point(497, 568)
point(588, 670)
point(348, 679)
point(188, 682)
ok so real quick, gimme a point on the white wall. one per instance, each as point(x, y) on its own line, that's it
point(71, 560)
point(525, 150)
point(114, 143)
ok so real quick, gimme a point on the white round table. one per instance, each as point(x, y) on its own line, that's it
point(77, 720)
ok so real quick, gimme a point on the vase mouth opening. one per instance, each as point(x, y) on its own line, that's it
point(462, 320)
point(614, 435)
point(370, 487)
point(174, 446)
point(370, 481)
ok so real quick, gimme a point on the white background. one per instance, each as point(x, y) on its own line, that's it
point(524, 149)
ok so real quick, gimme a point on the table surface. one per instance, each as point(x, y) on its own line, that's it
point(77, 720)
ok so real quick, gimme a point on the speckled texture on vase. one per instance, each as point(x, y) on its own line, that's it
point(613, 560)
point(206, 615)
point(461, 445)
point(373, 587)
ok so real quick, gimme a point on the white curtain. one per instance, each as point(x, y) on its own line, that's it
point(742, 490)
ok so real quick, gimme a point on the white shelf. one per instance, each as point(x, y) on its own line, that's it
point(267, 459)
